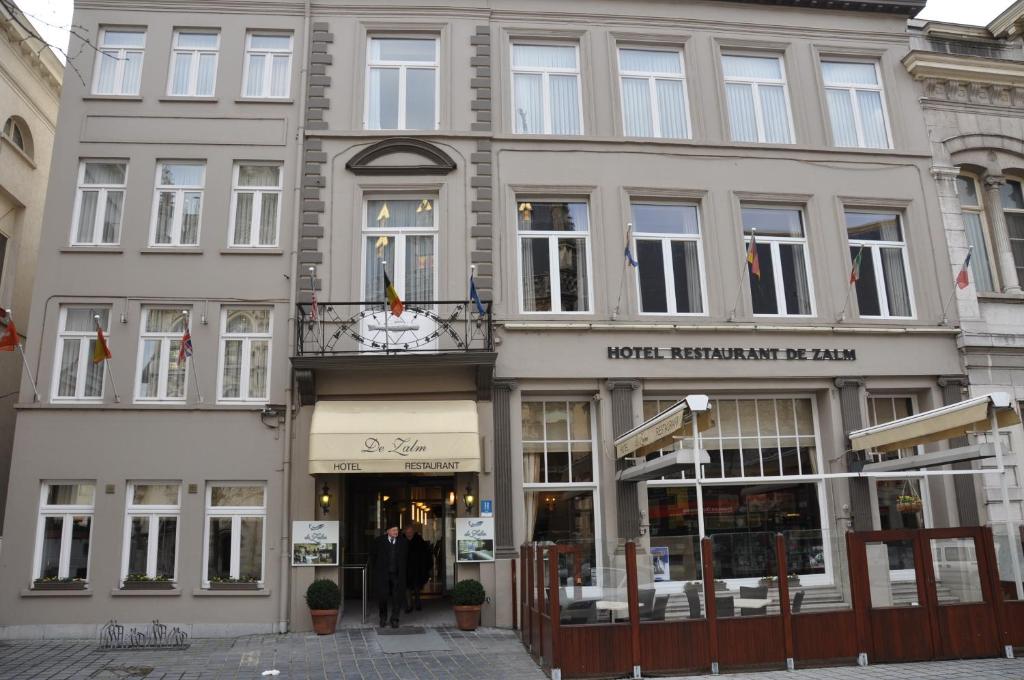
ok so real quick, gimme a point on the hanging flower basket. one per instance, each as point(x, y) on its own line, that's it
point(909, 504)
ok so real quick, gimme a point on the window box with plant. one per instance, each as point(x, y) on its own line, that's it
point(250, 583)
point(143, 582)
point(468, 596)
point(55, 583)
point(323, 598)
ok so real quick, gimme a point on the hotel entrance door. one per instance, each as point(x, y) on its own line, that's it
point(376, 502)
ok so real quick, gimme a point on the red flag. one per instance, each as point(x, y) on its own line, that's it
point(962, 279)
point(9, 340)
point(101, 352)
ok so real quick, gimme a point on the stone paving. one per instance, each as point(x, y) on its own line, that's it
point(350, 654)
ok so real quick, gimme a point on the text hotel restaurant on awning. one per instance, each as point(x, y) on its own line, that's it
point(440, 437)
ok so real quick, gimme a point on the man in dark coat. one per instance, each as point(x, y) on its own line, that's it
point(419, 567)
point(388, 560)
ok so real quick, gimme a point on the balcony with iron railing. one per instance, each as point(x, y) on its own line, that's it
point(367, 335)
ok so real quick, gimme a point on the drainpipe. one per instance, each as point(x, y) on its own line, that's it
point(286, 452)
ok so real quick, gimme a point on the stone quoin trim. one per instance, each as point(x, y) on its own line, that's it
point(313, 161)
point(481, 180)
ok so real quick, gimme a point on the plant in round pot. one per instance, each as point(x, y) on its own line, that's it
point(323, 597)
point(467, 596)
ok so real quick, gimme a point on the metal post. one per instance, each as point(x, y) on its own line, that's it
point(696, 476)
point(1004, 489)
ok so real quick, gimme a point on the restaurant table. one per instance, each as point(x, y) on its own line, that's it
point(615, 608)
point(750, 603)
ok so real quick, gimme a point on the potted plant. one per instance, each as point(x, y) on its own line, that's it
point(720, 585)
point(323, 598)
point(143, 582)
point(55, 583)
point(909, 504)
point(468, 596)
point(226, 583)
point(693, 585)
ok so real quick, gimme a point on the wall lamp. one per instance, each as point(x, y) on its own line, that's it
point(325, 499)
point(468, 499)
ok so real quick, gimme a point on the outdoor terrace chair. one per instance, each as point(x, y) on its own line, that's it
point(693, 599)
point(657, 611)
point(725, 607)
point(798, 601)
point(580, 611)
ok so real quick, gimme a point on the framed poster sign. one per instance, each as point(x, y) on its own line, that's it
point(314, 544)
point(660, 563)
point(474, 539)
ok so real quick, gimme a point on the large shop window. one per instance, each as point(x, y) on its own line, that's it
point(653, 93)
point(546, 89)
point(77, 375)
point(178, 203)
point(256, 205)
point(855, 104)
point(878, 251)
point(119, 62)
point(554, 256)
point(401, 90)
point(741, 521)
point(99, 203)
point(162, 376)
point(245, 355)
point(268, 65)
point(194, 63)
point(235, 531)
point(558, 476)
point(973, 212)
point(151, 530)
point(1013, 209)
point(755, 89)
point(64, 530)
point(782, 286)
point(669, 253)
point(403, 233)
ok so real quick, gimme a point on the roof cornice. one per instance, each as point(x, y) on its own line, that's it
point(908, 8)
point(924, 65)
point(1009, 23)
point(32, 48)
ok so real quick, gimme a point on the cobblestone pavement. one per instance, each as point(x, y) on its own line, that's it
point(975, 669)
point(350, 654)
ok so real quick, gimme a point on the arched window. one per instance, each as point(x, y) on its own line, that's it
point(17, 133)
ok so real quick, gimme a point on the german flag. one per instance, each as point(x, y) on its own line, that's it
point(394, 302)
point(753, 261)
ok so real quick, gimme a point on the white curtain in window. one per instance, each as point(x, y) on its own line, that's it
point(182, 67)
point(190, 218)
point(980, 267)
point(544, 56)
point(895, 281)
point(149, 381)
point(164, 217)
point(243, 217)
point(232, 380)
point(803, 289)
point(650, 61)
point(108, 71)
point(419, 99)
point(87, 216)
point(775, 113)
point(112, 216)
point(849, 73)
point(93, 373)
point(872, 119)
point(672, 109)
point(840, 109)
point(742, 119)
point(132, 73)
point(693, 302)
point(636, 104)
point(565, 105)
point(529, 103)
point(760, 68)
point(268, 220)
point(419, 268)
point(279, 76)
point(68, 367)
point(206, 74)
point(374, 291)
point(258, 354)
point(383, 104)
point(254, 82)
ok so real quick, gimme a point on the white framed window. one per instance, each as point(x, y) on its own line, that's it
point(244, 355)
point(856, 104)
point(17, 133)
point(668, 249)
point(654, 99)
point(554, 256)
point(77, 375)
point(1013, 209)
point(160, 376)
point(883, 283)
point(402, 84)
point(255, 205)
point(99, 203)
point(758, 99)
point(64, 530)
point(546, 89)
point(268, 65)
point(982, 274)
point(119, 61)
point(402, 232)
point(178, 203)
point(560, 466)
point(194, 63)
point(233, 541)
point(885, 409)
point(151, 530)
point(784, 286)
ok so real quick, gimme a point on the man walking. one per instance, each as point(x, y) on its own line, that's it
point(419, 567)
point(387, 564)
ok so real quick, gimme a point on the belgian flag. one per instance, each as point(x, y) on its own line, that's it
point(394, 302)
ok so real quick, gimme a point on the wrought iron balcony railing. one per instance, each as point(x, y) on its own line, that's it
point(424, 327)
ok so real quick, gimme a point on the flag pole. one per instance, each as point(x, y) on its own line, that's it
point(24, 361)
point(319, 317)
point(743, 274)
point(384, 271)
point(106, 366)
point(191, 359)
point(952, 293)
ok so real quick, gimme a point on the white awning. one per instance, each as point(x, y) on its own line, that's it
point(956, 420)
point(435, 437)
point(659, 431)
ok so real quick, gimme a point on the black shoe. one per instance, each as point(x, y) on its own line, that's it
point(394, 624)
point(408, 610)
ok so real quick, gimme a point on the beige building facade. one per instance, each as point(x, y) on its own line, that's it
point(749, 158)
point(30, 92)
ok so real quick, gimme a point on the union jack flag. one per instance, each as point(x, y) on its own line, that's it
point(185, 347)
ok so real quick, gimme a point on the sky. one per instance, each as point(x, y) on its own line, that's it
point(53, 17)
